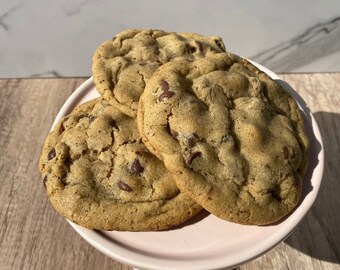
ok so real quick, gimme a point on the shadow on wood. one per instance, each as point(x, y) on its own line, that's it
point(318, 235)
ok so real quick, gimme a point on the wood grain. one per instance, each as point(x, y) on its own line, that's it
point(33, 236)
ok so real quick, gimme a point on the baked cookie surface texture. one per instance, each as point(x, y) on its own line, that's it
point(98, 174)
point(232, 135)
point(123, 65)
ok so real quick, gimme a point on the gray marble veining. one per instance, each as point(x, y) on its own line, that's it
point(317, 42)
point(45, 38)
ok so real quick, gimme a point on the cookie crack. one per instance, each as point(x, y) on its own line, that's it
point(142, 77)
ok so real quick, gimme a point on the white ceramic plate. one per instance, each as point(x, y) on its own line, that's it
point(204, 242)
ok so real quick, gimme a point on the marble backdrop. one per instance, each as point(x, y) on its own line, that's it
point(48, 38)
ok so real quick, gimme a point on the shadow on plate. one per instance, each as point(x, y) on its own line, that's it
point(318, 235)
point(195, 219)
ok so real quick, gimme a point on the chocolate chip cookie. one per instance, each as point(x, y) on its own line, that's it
point(98, 173)
point(122, 66)
point(232, 135)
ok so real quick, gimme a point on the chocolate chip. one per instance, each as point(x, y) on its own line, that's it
point(165, 86)
point(123, 186)
point(285, 152)
point(173, 133)
point(199, 46)
point(219, 44)
point(136, 168)
point(51, 154)
point(164, 95)
point(166, 92)
point(191, 141)
point(193, 156)
point(92, 118)
point(112, 136)
point(190, 48)
point(45, 180)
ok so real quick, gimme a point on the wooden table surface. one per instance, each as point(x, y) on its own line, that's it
point(34, 236)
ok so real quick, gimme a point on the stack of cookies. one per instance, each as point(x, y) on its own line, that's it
point(181, 125)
